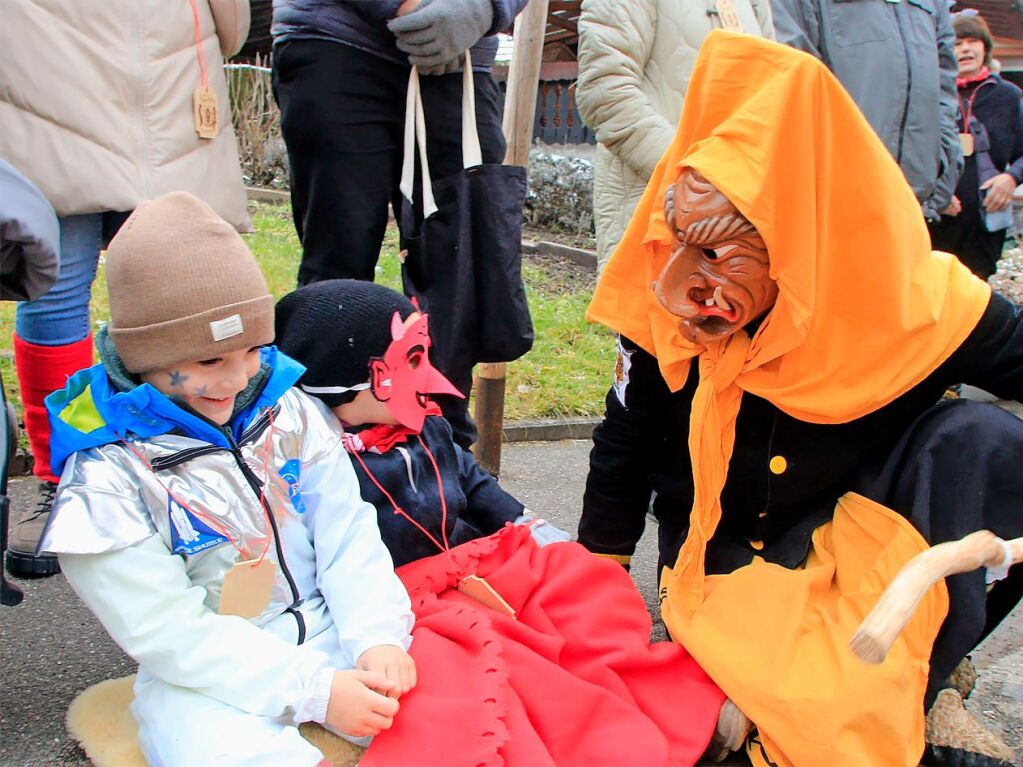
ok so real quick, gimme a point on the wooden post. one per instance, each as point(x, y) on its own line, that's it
point(519, 107)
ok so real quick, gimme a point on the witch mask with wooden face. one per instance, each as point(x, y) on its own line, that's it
point(717, 280)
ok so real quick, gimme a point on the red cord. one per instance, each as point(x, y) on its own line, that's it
point(398, 509)
point(201, 515)
point(263, 503)
point(440, 488)
point(199, 52)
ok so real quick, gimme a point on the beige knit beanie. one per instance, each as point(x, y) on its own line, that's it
point(183, 287)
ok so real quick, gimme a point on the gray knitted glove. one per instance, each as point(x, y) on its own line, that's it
point(455, 65)
point(441, 30)
point(543, 532)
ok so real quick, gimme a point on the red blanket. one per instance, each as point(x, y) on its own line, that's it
point(572, 681)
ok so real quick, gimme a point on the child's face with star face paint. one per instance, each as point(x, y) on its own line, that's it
point(209, 387)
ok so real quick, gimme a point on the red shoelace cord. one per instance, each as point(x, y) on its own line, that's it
point(214, 524)
point(398, 510)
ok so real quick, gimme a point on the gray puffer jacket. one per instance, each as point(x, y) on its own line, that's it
point(896, 59)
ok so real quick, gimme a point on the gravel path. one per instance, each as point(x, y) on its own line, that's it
point(1008, 280)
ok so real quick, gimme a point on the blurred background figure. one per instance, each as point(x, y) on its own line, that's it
point(635, 57)
point(991, 128)
point(98, 108)
point(896, 60)
point(29, 264)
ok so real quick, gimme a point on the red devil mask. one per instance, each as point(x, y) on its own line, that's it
point(404, 376)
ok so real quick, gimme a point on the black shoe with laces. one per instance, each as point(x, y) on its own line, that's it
point(25, 534)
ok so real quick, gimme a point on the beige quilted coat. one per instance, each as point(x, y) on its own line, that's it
point(635, 57)
point(96, 102)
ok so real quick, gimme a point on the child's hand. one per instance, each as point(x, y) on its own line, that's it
point(543, 532)
point(394, 663)
point(358, 703)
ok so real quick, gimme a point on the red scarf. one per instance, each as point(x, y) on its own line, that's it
point(383, 436)
point(983, 74)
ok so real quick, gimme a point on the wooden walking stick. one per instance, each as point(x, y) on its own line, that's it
point(882, 626)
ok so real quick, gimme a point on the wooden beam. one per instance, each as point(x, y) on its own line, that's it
point(563, 23)
point(519, 106)
point(562, 35)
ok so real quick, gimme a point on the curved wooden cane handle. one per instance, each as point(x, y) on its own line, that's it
point(882, 626)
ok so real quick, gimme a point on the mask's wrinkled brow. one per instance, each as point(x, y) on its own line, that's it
point(702, 215)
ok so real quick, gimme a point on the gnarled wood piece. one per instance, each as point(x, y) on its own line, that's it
point(879, 630)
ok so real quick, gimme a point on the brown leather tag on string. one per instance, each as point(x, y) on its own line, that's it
point(207, 114)
point(477, 588)
point(728, 14)
point(966, 141)
point(247, 588)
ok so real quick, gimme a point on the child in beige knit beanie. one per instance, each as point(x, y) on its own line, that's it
point(209, 517)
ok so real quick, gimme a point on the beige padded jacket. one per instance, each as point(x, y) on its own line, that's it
point(635, 57)
point(96, 102)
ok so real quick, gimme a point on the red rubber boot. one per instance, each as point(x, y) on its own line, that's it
point(41, 370)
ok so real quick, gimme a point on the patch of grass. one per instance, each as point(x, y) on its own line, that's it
point(567, 372)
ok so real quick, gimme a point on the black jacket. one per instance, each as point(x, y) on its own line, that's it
point(996, 104)
point(476, 504)
point(642, 446)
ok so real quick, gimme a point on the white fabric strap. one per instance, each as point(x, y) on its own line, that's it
point(332, 389)
point(472, 155)
point(1001, 571)
point(415, 134)
point(415, 126)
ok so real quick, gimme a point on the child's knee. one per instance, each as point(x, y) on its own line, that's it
point(181, 726)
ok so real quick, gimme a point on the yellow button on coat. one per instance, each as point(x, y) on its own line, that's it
point(778, 464)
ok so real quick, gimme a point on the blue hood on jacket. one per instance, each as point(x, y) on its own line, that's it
point(90, 411)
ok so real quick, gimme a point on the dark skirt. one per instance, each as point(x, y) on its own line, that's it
point(958, 469)
point(965, 237)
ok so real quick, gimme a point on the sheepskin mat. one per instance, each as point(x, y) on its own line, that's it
point(100, 720)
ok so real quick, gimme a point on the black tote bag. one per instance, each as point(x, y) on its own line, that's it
point(463, 250)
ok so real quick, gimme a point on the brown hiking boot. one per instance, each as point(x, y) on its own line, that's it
point(954, 738)
point(964, 678)
point(25, 534)
point(731, 732)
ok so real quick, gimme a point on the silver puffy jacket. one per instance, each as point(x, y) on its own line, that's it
point(145, 532)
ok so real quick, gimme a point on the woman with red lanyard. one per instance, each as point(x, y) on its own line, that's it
point(973, 227)
point(103, 106)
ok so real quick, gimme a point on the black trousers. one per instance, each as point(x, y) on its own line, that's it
point(965, 236)
point(342, 118)
point(955, 471)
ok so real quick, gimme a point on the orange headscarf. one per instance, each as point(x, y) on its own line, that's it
point(865, 309)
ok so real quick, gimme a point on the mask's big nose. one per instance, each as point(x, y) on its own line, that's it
point(674, 284)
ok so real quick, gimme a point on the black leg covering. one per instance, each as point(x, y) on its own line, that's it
point(958, 469)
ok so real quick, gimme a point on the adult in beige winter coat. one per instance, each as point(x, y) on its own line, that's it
point(635, 57)
point(96, 108)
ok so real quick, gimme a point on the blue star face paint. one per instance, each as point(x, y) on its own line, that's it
point(209, 387)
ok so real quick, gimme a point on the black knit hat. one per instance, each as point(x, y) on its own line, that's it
point(973, 25)
point(335, 328)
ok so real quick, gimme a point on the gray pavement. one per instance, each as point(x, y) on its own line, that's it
point(51, 648)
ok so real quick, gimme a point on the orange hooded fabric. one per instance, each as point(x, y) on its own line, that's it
point(865, 311)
